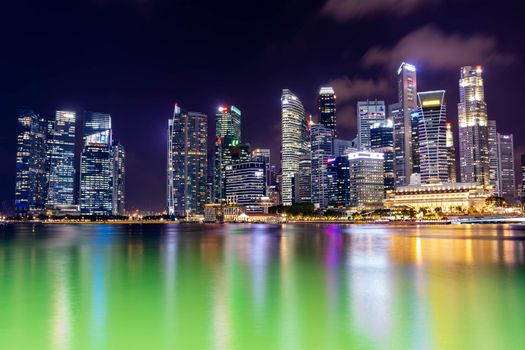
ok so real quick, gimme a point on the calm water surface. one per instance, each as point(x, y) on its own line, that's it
point(261, 287)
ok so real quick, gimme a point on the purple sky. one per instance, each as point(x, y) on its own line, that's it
point(136, 58)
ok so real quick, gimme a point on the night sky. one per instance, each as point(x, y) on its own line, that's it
point(135, 58)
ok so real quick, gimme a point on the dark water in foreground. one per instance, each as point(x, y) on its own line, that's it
point(261, 287)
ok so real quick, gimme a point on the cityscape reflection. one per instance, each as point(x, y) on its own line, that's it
point(262, 286)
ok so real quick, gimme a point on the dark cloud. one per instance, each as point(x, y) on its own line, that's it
point(436, 49)
point(344, 10)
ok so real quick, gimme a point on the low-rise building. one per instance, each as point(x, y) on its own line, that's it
point(450, 197)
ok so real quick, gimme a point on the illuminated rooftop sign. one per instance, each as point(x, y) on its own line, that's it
point(431, 103)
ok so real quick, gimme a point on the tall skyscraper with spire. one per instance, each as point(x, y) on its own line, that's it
point(401, 113)
point(327, 109)
point(473, 127)
point(294, 142)
point(187, 162)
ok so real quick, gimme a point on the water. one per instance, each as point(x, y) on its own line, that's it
point(261, 287)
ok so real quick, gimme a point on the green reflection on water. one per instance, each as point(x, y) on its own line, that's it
point(261, 287)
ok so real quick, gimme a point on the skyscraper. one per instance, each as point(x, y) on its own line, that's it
point(401, 114)
point(246, 185)
point(96, 166)
point(432, 137)
point(368, 114)
point(343, 147)
point(321, 140)
point(61, 158)
point(339, 172)
point(119, 178)
point(263, 155)
point(506, 175)
point(31, 161)
point(493, 155)
point(228, 122)
point(366, 179)
point(382, 141)
point(473, 132)
point(523, 178)
point(327, 109)
point(294, 142)
point(228, 147)
point(187, 162)
point(303, 180)
point(451, 152)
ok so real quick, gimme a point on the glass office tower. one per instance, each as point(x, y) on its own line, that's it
point(473, 131)
point(31, 162)
point(321, 140)
point(327, 109)
point(401, 113)
point(368, 114)
point(294, 142)
point(96, 166)
point(382, 141)
point(506, 172)
point(432, 137)
point(61, 158)
point(119, 178)
point(451, 152)
point(187, 162)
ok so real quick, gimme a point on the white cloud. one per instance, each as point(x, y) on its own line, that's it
point(436, 49)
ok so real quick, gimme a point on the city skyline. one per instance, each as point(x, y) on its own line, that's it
point(147, 98)
point(430, 126)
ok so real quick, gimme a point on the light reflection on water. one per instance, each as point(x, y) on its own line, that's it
point(262, 287)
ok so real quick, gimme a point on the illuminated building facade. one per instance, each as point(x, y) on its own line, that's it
point(473, 131)
point(523, 178)
point(228, 122)
point(366, 180)
point(119, 178)
point(339, 172)
point(303, 180)
point(31, 161)
point(96, 166)
point(506, 174)
point(327, 109)
point(493, 154)
point(61, 158)
point(246, 185)
point(401, 113)
point(342, 147)
point(432, 130)
point(294, 142)
point(451, 155)
point(368, 114)
point(228, 147)
point(263, 155)
point(321, 141)
point(449, 197)
point(187, 162)
point(382, 141)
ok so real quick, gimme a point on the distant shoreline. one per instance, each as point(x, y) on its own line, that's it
point(341, 222)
